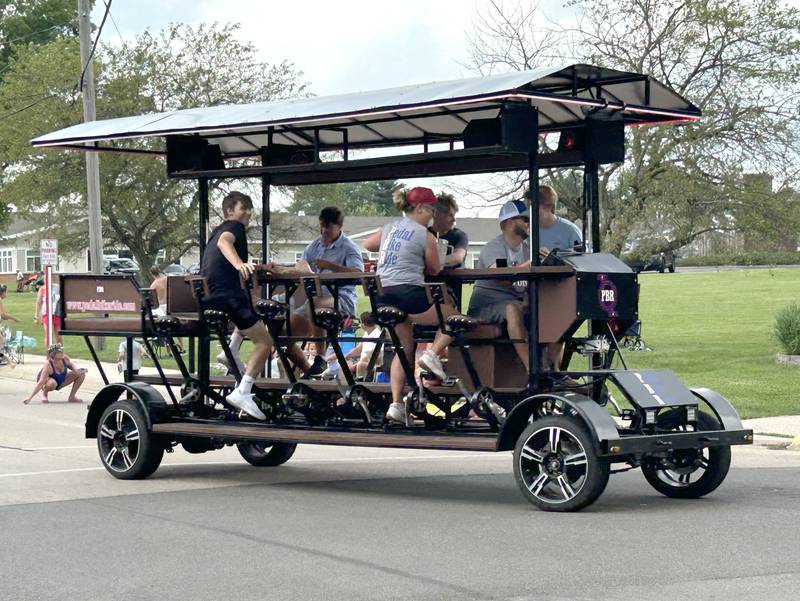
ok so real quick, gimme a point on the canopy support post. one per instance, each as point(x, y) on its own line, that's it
point(534, 361)
point(204, 342)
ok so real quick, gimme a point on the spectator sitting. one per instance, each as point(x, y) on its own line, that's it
point(5, 317)
point(58, 371)
point(363, 350)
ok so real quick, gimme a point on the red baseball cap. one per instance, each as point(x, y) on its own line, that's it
point(420, 196)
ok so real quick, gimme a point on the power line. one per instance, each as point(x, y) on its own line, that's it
point(25, 108)
point(114, 23)
point(33, 33)
point(94, 46)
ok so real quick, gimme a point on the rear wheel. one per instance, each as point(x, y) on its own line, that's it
point(556, 467)
point(127, 449)
point(688, 473)
point(266, 454)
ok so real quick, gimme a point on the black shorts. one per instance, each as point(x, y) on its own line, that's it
point(238, 308)
point(411, 299)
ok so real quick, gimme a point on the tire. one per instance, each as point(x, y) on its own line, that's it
point(127, 449)
point(266, 454)
point(569, 479)
point(677, 483)
point(671, 268)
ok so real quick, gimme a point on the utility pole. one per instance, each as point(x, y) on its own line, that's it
point(92, 159)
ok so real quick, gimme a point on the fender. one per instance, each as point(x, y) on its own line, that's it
point(149, 399)
point(721, 407)
point(600, 424)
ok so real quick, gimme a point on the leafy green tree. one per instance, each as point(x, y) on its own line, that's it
point(360, 198)
point(737, 60)
point(180, 67)
point(25, 23)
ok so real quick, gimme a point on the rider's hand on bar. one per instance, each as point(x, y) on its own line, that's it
point(543, 252)
point(246, 270)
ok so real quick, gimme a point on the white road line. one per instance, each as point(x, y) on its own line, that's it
point(85, 446)
point(307, 460)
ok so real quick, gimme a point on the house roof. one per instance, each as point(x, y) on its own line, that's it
point(305, 228)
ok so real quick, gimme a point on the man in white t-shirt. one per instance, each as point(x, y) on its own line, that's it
point(137, 352)
point(363, 350)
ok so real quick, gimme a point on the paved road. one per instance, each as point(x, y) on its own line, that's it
point(341, 523)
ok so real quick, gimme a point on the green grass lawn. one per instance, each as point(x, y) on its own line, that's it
point(713, 329)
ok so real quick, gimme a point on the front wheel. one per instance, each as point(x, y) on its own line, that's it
point(266, 454)
point(127, 449)
point(556, 466)
point(688, 473)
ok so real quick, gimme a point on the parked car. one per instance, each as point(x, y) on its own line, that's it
point(174, 269)
point(660, 262)
point(194, 269)
point(120, 266)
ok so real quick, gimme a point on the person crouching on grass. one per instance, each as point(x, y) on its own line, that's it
point(57, 372)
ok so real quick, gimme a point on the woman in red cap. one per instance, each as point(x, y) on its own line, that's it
point(408, 252)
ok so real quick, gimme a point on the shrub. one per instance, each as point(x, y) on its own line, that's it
point(787, 329)
point(742, 258)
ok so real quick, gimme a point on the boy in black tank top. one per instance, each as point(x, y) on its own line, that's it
point(224, 264)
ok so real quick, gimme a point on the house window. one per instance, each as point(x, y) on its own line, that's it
point(6, 261)
point(32, 261)
point(298, 257)
point(475, 258)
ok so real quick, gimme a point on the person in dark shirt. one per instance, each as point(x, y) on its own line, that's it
point(224, 264)
point(456, 240)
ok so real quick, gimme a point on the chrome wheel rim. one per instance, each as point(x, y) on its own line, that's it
point(553, 465)
point(684, 467)
point(119, 441)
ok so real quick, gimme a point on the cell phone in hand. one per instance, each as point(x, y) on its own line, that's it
point(501, 263)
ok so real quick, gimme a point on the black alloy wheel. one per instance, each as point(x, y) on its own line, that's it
point(556, 466)
point(688, 473)
point(127, 449)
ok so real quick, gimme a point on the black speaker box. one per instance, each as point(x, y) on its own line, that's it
point(604, 138)
point(192, 153)
point(516, 128)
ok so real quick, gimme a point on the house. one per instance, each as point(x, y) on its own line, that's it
point(290, 234)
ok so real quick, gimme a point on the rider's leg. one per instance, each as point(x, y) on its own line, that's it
point(515, 322)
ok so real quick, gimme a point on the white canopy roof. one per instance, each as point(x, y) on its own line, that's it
point(396, 116)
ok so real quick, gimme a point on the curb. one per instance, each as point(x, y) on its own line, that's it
point(776, 442)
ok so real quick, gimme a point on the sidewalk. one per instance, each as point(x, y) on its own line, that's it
point(781, 431)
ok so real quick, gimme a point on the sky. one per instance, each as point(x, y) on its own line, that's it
point(343, 46)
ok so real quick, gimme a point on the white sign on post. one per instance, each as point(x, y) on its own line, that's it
point(48, 252)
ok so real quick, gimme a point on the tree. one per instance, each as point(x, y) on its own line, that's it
point(180, 67)
point(33, 22)
point(737, 60)
point(27, 24)
point(360, 198)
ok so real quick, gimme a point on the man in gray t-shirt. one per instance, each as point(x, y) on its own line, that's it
point(498, 301)
point(555, 231)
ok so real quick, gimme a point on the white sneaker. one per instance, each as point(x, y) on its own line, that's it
point(396, 413)
point(223, 360)
point(246, 403)
point(430, 361)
